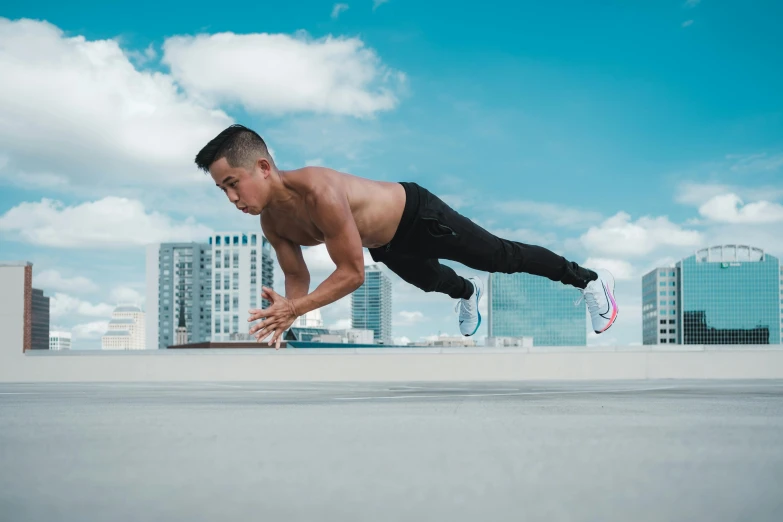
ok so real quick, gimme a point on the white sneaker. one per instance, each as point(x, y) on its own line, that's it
point(599, 297)
point(469, 316)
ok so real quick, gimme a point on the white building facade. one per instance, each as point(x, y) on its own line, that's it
point(241, 265)
point(59, 340)
point(126, 329)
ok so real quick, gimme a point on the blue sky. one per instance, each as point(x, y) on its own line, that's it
point(624, 135)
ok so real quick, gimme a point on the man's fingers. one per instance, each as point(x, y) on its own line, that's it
point(275, 336)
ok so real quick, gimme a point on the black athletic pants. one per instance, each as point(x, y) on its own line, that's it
point(431, 230)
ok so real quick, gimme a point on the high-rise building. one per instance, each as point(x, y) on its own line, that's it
point(241, 265)
point(726, 294)
point(660, 317)
point(40, 310)
point(311, 319)
point(178, 273)
point(371, 305)
point(525, 305)
point(126, 329)
point(59, 340)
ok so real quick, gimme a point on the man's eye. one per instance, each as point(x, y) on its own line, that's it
point(234, 184)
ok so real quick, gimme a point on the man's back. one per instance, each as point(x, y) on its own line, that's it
point(376, 206)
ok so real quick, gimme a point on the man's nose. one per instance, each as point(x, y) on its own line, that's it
point(233, 197)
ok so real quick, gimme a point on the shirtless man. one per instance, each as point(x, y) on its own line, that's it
point(403, 225)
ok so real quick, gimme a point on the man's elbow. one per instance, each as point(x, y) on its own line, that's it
point(357, 278)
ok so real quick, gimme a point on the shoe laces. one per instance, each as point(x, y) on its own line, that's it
point(464, 305)
point(588, 295)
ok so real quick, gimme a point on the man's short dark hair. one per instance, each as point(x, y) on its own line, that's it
point(238, 144)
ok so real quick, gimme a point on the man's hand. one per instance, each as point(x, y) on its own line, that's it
point(277, 318)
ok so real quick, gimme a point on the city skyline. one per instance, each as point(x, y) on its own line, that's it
point(659, 134)
point(507, 286)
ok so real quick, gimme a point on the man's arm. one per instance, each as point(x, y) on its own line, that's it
point(331, 213)
point(289, 256)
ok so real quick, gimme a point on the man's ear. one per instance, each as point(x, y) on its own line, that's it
point(265, 167)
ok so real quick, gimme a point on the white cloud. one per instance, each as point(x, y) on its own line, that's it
point(729, 208)
point(401, 341)
point(320, 263)
point(63, 304)
point(127, 295)
point(141, 58)
point(687, 23)
point(696, 194)
point(618, 236)
point(75, 111)
point(551, 213)
point(278, 73)
point(409, 318)
point(92, 330)
point(53, 280)
point(377, 3)
point(620, 269)
point(109, 222)
point(337, 9)
point(341, 324)
point(692, 3)
point(755, 163)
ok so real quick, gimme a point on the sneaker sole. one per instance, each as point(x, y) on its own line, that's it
point(478, 299)
point(615, 311)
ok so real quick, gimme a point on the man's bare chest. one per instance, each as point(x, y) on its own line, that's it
point(297, 229)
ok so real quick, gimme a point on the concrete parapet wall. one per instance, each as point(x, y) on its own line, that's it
point(395, 364)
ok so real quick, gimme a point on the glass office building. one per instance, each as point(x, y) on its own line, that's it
point(371, 305)
point(730, 295)
point(727, 294)
point(524, 305)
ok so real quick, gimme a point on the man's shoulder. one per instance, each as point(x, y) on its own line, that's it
point(317, 183)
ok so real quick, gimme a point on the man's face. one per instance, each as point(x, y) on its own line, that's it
point(248, 190)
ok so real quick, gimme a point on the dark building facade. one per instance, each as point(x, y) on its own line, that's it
point(40, 320)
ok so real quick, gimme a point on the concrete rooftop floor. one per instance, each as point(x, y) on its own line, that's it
point(608, 451)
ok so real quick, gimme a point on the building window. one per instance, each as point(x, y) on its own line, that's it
point(671, 321)
point(663, 274)
point(663, 283)
point(217, 240)
point(217, 322)
point(217, 263)
point(672, 330)
point(217, 281)
point(663, 321)
point(663, 330)
point(253, 240)
point(236, 259)
point(663, 341)
point(662, 293)
point(226, 303)
point(235, 303)
point(244, 239)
